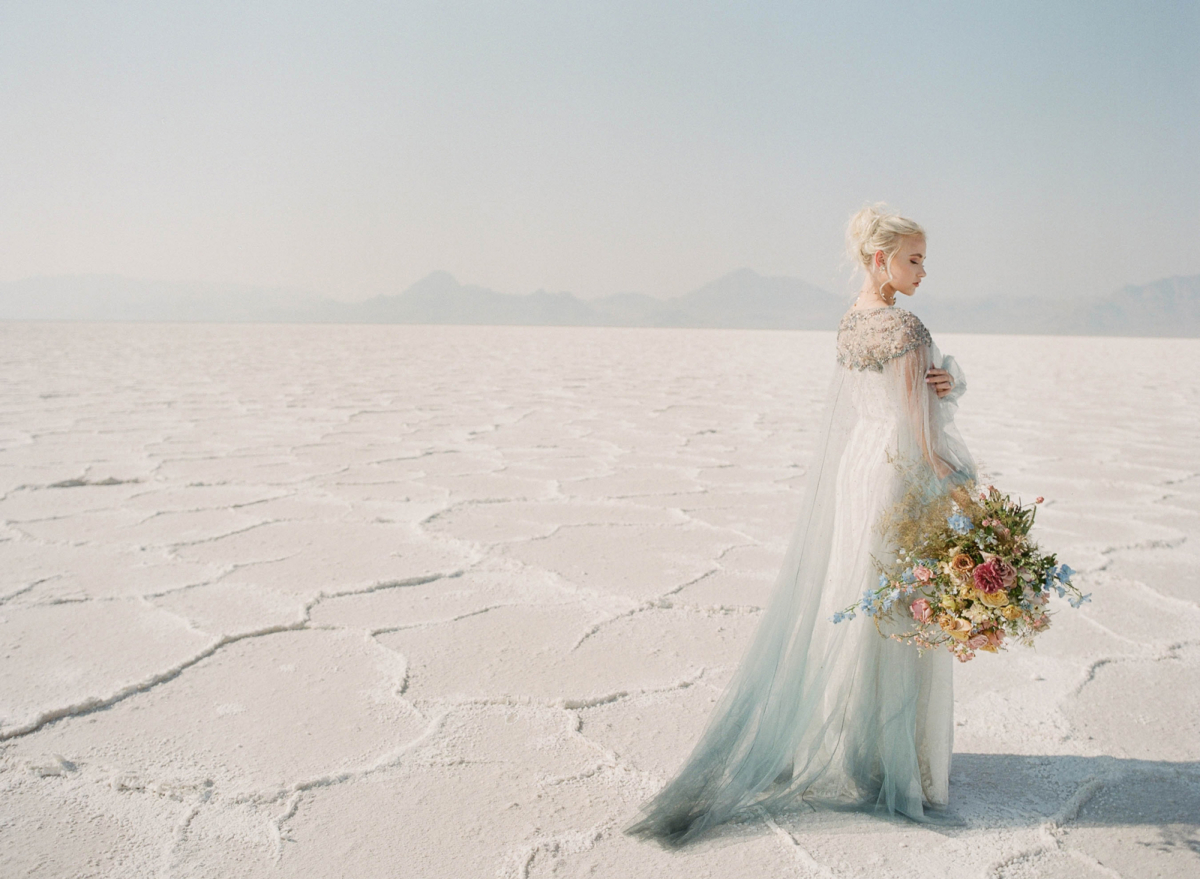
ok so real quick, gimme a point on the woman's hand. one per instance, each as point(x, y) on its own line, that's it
point(939, 380)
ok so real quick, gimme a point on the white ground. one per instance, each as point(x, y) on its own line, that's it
point(449, 602)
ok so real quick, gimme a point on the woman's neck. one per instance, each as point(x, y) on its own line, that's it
point(871, 296)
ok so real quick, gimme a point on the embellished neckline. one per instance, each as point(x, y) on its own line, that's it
point(855, 313)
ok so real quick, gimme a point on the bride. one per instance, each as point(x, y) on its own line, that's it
point(827, 715)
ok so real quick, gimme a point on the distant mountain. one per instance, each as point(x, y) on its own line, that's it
point(1021, 315)
point(1167, 307)
point(1170, 304)
point(440, 299)
point(635, 310)
point(741, 299)
point(746, 299)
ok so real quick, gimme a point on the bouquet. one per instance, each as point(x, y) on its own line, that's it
point(966, 575)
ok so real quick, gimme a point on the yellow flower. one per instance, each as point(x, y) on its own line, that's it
point(994, 599)
point(1010, 612)
point(956, 628)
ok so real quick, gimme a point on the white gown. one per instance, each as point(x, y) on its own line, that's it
point(834, 715)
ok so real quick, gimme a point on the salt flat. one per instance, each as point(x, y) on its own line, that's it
point(450, 601)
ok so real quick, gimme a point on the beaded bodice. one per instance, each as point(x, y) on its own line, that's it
point(869, 338)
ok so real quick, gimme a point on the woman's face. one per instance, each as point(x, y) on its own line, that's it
point(908, 265)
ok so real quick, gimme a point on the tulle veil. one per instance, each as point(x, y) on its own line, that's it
point(816, 713)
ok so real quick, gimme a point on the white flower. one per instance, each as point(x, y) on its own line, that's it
point(977, 614)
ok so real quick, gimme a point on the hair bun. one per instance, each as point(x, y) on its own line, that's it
point(874, 228)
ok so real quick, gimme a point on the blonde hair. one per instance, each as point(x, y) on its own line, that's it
point(876, 228)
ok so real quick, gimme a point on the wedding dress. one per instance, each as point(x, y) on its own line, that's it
point(824, 714)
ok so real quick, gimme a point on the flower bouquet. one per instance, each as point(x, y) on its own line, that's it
point(966, 574)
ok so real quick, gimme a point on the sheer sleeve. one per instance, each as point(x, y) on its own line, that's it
point(927, 422)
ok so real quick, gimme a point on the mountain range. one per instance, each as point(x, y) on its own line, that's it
point(742, 299)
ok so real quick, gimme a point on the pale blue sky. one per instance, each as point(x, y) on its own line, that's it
point(351, 148)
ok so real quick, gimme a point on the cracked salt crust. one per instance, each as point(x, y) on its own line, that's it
point(431, 601)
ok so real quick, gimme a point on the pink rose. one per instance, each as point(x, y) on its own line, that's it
point(1008, 574)
point(921, 611)
point(922, 573)
point(977, 642)
point(987, 579)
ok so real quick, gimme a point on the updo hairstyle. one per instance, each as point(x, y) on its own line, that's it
point(876, 228)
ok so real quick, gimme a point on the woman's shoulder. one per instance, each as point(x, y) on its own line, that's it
point(868, 338)
point(890, 318)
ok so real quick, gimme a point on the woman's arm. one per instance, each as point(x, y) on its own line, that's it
point(918, 399)
point(927, 425)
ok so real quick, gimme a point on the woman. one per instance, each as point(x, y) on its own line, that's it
point(832, 715)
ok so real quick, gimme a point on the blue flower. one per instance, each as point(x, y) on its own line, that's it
point(959, 523)
point(842, 615)
point(890, 598)
point(1076, 602)
point(867, 605)
point(883, 581)
point(908, 576)
point(1064, 573)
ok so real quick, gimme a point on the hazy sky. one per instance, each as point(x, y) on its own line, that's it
point(350, 148)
